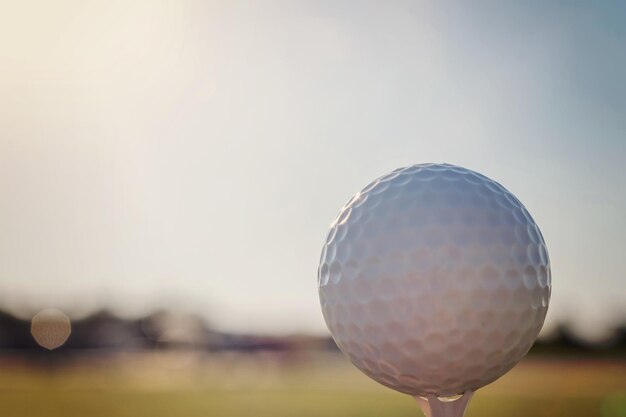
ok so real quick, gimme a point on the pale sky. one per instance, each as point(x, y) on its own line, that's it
point(194, 154)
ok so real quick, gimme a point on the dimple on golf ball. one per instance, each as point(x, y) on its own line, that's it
point(434, 280)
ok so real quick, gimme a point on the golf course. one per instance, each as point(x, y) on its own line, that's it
point(187, 385)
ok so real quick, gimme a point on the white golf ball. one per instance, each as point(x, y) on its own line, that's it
point(434, 280)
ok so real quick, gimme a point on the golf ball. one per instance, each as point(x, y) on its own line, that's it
point(434, 280)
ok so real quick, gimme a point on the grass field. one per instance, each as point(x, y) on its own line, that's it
point(320, 386)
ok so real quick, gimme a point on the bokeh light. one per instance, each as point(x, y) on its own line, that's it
point(50, 328)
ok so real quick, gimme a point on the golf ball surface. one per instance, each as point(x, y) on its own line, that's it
point(434, 279)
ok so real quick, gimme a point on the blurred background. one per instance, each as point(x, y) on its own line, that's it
point(169, 170)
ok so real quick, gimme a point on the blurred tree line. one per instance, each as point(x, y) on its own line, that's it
point(104, 332)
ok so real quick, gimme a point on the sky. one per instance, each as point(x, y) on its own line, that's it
point(192, 155)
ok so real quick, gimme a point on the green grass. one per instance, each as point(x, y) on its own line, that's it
point(280, 387)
